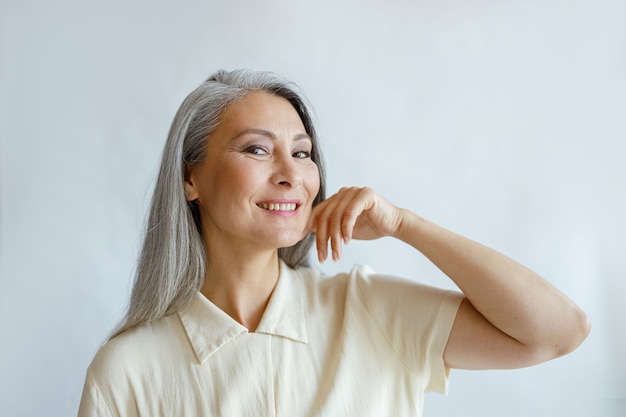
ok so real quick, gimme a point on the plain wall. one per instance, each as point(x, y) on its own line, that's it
point(502, 120)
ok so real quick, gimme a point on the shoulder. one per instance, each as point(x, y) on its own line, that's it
point(313, 281)
point(379, 285)
point(137, 348)
point(388, 296)
point(379, 294)
point(361, 275)
point(129, 368)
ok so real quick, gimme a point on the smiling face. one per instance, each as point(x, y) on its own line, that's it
point(256, 186)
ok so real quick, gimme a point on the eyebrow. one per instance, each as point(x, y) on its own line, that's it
point(267, 133)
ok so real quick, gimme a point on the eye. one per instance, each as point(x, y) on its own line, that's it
point(302, 154)
point(256, 150)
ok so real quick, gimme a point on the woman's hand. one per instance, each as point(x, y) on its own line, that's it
point(352, 213)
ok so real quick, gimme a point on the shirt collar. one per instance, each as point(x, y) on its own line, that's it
point(209, 328)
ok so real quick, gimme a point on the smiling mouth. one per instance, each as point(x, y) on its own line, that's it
point(278, 206)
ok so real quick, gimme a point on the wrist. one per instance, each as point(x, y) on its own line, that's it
point(402, 220)
point(408, 226)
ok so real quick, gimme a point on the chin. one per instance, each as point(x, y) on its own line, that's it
point(287, 241)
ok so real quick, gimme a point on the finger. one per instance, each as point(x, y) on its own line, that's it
point(323, 219)
point(333, 214)
point(354, 208)
point(321, 241)
point(320, 228)
point(341, 220)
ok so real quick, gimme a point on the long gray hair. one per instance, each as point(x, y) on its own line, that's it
point(172, 264)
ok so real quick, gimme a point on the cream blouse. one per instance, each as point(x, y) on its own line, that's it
point(356, 344)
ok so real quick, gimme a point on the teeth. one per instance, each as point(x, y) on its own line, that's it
point(278, 207)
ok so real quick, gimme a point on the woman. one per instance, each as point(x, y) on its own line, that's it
point(227, 319)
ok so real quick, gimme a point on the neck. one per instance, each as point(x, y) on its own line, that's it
point(241, 284)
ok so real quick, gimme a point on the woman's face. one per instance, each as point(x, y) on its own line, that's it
point(256, 186)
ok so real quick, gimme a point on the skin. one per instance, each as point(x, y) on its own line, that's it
point(511, 317)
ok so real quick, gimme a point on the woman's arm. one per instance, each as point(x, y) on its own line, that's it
point(511, 317)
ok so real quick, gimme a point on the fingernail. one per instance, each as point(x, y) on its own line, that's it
point(321, 256)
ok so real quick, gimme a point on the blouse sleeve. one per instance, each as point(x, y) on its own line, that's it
point(416, 319)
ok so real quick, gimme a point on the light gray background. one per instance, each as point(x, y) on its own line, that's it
point(502, 120)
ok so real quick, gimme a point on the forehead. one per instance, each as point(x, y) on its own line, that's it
point(260, 109)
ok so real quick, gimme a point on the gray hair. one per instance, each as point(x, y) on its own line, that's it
point(172, 263)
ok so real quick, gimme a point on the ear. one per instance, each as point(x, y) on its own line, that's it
point(191, 189)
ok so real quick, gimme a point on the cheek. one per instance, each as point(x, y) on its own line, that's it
point(313, 181)
point(236, 178)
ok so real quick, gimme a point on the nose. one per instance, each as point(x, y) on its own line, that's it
point(286, 171)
